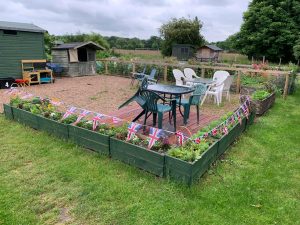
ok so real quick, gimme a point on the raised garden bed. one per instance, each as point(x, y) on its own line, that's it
point(226, 140)
point(186, 172)
point(8, 112)
point(89, 139)
point(26, 118)
point(53, 127)
point(140, 157)
point(263, 105)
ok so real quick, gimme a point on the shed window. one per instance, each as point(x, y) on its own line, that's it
point(10, 32)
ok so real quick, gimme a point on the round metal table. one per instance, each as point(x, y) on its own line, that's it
point(172, 90)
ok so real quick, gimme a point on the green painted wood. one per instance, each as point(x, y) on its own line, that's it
point(26, 118)
point(139, 157)
point(14, 48)
point(89, 139)
point(8, 112)
point(53, 127)
point(250, 121)
point(188, 173)
point(228, 139)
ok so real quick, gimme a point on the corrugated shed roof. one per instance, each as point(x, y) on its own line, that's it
point(29, 27)
point(214, 47)
point(75, 45)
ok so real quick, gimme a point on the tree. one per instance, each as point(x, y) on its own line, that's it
point(49, 43)
point(270, 28)
point(180, 31)
point(296, 50)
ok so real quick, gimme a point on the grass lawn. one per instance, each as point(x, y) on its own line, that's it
point(44, 180)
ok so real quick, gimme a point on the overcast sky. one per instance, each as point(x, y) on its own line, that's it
point(125, 18)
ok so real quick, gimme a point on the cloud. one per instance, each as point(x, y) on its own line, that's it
point(128, 18)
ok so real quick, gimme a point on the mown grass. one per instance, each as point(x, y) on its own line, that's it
point(44, 180)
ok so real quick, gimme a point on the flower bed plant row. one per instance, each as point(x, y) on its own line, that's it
point(184, 163)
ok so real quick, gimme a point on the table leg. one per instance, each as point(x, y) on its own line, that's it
point(139, 116)
point(180, 106)
point(174, 113)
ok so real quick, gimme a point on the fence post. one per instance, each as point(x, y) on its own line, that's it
point(106, 67)
point(165, 73)
point(238, 82)
point(286, 85)
point(203, 72)
point(133, 67)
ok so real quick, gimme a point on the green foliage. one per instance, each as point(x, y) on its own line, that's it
point(270, 29)
point(190, 151)
point(70, 119)
point(253, 81)
point(296, 50)
point(180, 31)
point(49, 43)
point(260, 95)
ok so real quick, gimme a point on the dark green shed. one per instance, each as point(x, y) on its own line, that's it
point(183, 51)
point(19, 41)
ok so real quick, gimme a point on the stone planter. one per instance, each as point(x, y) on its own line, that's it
point(89, 139)
point(139, 157)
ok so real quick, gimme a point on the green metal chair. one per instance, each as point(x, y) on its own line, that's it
point(194, 99)
point(157, 109)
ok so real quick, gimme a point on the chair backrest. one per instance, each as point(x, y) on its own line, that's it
point(152, 73)
point(144, 84)
point(151, 99)
point(189, 73)
point(144, 70)
point(227, 83)
point(220, 76)
point(197, 95)
point(179, 76)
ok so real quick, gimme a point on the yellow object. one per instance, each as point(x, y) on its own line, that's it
point(34, 75)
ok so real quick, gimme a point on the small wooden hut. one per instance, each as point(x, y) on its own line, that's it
point(77, 59)
point(208, 53)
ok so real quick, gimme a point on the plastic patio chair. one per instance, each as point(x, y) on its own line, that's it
point(227, 85)
point(194, 99)
point(190, 73)
point(216, 91)
point(151, 76)
point(140, 75)
point(179, 77)
point(151, 105)
point(220, 76)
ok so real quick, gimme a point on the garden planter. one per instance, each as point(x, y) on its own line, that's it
point(8, 111)
point(140, 157)
point(228, 139)
point(53, 127)
point(26, 118)
point(89, 139)
point(263, 105)
point(186, 172)
point(250, 121)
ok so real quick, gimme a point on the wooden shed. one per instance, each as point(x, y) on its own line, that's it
point(19, 41)
point(183, 51)
point(77, 59)
point(208, 53)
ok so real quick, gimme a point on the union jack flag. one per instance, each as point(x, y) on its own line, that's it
point(239, 117)
point(132, 129)
point(84, 113)
point(197, 140)
point(225, 130)
point(180, 137)
point(154, 135)
point(116, 120)
point(55, 102)
point(205, 135)
point(97, 119)
point(245, 110)
point(69, 112)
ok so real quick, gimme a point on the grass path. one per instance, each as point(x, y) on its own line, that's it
point(44, 180)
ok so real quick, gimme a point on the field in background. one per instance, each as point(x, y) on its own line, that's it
point(156, 55)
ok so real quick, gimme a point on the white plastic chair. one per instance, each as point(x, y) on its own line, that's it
point(179, 77)
point(190, 73)
point(220, 76)
point(216, 91)
point(227, 85)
